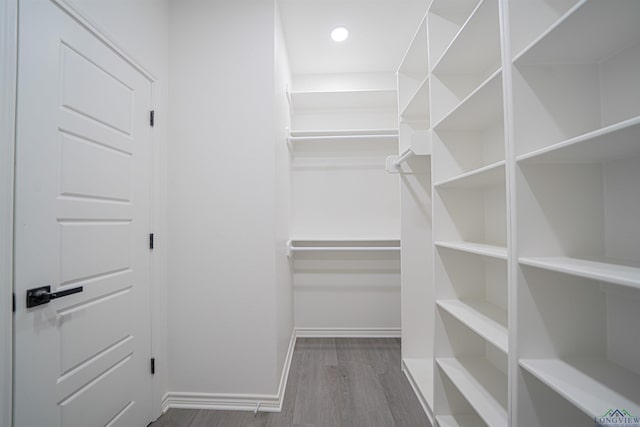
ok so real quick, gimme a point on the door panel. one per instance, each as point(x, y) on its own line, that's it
point(82, 219)
point(93, 170)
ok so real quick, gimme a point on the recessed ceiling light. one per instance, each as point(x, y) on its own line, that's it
point(339, 34)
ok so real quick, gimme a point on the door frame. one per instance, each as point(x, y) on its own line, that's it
point(157, 278)
point(9, 52)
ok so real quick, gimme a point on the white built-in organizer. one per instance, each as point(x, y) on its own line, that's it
point(530, 112)
point(341, 198)
point(345, 209)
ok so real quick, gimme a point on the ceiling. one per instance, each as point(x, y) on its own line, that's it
point(379, 34)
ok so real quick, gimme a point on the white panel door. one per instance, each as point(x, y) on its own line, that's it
point(82, 219)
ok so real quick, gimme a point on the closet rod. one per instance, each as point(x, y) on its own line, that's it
point(343, 248)
point(341, 137)
point(404, 156)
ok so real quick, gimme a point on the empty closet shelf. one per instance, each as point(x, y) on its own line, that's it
point(593, 385)
point(612, 271)
point(486, 319)
point(493, 251)
point(333, 135)
point(343, 246)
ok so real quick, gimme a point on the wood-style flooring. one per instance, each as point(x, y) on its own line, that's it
point(333, 382)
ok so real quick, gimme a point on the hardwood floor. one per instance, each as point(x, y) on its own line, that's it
point(334, 383)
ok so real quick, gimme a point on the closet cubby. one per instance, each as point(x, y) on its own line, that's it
point(579, 340)
point(475, 367)
point(413, 72)
point(472, 136)
point(475, 295)
point(530, 19)
point(471, 215)
point(455, 410)
point(579, 76)
point(417, 110)
point(471, 59)
point(445, 18)
point(581, 218)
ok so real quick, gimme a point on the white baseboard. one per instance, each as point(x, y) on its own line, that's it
point(416, 390)
point(234, 402)
point(222, 402)
point(348, 332)
point(268, 402)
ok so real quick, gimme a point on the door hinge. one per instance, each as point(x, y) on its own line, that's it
point(14, 302)
point(152, 117)
point(153, 366)
point(151, 241)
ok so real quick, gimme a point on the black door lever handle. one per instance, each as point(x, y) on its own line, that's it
point(43, 294)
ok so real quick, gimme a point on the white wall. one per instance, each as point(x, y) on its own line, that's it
point(141, 29)
point(8, 49)
point(227, 274)
point(354, 292)
point(284, 292)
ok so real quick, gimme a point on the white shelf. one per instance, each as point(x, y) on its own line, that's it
point(390, 135)
point(482, 106)
point(460, 421)
point(476, 47)
point(339, 100)
point(484, 387)
point(391, 241)
point(592, 385)
point(486, 319)
point(486, 176)
point(587, 34)
point(417, 108)
point(344, 132)
point(612, 142)
point(420, 375)
point(611, 271)
point(294, 246)
point(475, 248)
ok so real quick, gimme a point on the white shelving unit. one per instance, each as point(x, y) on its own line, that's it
point(413, 95)
point(534, 123)
point(469, 187)
point(576, 109)
point(414, 166)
